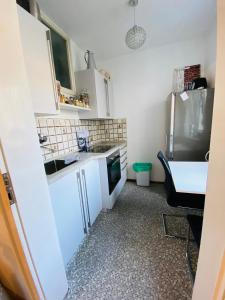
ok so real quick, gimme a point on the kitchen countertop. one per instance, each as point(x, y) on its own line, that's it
point(84, 157)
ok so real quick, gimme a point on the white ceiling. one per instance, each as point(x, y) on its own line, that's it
point(101, 25)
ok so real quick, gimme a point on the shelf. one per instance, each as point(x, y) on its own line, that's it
point(64, 106)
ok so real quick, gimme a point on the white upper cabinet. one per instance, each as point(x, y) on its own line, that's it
point(99, 93)
point(39, 63)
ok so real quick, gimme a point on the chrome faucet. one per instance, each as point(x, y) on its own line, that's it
point(43, 139)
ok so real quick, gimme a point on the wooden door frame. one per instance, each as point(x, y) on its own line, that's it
point(219, 292)
point(13, 236)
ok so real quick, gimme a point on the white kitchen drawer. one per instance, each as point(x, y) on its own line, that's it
point(123, 151)
point(124, 170)
point(123, 162)
point(123, 156)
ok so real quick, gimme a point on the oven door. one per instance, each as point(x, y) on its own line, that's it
point(114, 172)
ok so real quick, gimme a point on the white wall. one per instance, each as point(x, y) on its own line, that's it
point(210, 56)
point(141, 83)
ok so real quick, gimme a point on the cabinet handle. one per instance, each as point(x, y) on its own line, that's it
point(107, 98)
point(81, 202)
point(125, 152)
point(49, 42)
point(124, 167)
point(86, 196)
point(124, 161)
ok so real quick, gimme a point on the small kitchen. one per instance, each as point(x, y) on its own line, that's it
point(77, 121)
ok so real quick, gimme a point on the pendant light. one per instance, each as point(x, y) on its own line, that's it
point(136, 36)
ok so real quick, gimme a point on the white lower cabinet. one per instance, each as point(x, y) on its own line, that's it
point(92, 190)
point(108, 200)
point(123, 164)
point(67, 207)
point(76, 200)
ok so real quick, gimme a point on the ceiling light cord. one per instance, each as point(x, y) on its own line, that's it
point(136, 36)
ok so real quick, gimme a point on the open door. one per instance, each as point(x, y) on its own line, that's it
point(219, 292)
point(15, 275)
point(210, 276)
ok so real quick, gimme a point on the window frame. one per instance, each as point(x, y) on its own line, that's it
point(56, 28)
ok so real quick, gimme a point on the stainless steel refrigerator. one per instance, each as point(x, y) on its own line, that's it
point(189, 119)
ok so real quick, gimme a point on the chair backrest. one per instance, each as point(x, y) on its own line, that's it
point(179, 199)
point(169, 185)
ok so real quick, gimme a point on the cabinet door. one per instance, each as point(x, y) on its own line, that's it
point(67, 207)
point(110, 98)
point(92, 190)
point(17, 128)
point(38, 62)
point(102, 95)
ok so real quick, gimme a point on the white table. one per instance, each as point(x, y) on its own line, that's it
point(189, 177)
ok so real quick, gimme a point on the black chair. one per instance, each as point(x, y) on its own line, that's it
point(195, 226)
point(175, 199)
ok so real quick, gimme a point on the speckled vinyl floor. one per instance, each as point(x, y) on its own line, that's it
point(126, 255)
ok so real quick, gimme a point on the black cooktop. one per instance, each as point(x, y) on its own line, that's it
point(100, 148)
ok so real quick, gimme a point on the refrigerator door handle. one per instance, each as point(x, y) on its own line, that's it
point(81, 202)
point(172, 124)
point(171, 146)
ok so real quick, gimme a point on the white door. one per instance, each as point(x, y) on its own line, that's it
point(67, 207)
point(91, 190)
point(38, 63)
point(22, 155)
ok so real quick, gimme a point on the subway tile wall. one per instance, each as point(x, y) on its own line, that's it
point(61, 133)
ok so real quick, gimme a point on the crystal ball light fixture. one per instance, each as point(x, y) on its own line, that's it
point(136, 36)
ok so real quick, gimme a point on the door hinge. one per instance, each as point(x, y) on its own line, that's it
point(9, 188)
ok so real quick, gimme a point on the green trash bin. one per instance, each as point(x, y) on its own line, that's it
point(142, 171)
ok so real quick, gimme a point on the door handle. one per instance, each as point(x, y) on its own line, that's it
point(86, 196)
point(81, 202)
point(107, 98)
point(49, 43)
point(9, 188)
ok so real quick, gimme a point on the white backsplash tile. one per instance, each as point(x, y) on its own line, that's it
point(61, 133)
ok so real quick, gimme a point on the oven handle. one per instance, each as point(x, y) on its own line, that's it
point(114, 157)
point(113, 161)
